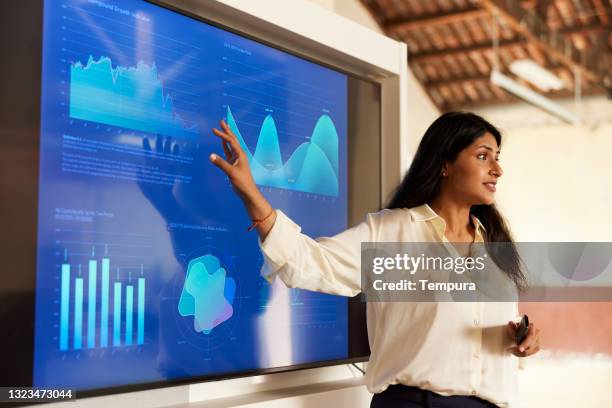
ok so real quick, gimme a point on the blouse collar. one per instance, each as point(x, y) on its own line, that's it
point(426, 213)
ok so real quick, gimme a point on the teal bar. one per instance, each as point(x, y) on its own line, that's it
point(141, 304)
point(64, 307)
point(78, 313)
point(129, 306)
point(117, 315)
point(104, 305)
point(91, 304)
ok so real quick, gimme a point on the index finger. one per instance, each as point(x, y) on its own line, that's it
point(227, 128)
point(227, 138)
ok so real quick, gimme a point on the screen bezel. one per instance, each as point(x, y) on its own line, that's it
point(28, 298)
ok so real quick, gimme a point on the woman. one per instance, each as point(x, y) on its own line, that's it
point(423, 354)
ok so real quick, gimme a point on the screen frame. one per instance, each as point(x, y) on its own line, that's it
point(30, 297)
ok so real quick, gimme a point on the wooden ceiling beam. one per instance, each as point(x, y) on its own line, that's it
point(421, 22)
point(478, 78)
point(602, 13)
point(436, 54)
point(530, 25)
point(565, 94)
point(457, 80)
point(542, 7)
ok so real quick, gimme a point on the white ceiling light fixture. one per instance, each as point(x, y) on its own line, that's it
point(539, 77)
point(535, 74)
point(533, 97)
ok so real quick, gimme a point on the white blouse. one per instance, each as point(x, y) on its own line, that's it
point(448, 348)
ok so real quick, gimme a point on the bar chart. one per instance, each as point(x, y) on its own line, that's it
point(95, 325)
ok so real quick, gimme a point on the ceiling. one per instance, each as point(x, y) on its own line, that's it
point(451, 53)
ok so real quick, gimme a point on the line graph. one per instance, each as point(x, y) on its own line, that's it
point(129, 97)
point(311, 168)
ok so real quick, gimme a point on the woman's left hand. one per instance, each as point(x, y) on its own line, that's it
point(530, 345)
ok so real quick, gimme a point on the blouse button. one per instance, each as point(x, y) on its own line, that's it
point(473, 392)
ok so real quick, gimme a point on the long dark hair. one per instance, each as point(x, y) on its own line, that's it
point(444, 139)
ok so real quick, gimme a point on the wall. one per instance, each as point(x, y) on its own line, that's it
point(557, 186)
point(562, 171)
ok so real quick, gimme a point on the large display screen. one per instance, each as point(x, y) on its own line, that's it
point(145, 271)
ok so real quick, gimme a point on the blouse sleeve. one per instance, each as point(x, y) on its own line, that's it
point(329, 264)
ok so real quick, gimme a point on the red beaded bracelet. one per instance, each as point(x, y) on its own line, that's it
point(257, 222)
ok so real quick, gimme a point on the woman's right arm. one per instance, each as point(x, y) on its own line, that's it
point(329, 264)
point(236, 167)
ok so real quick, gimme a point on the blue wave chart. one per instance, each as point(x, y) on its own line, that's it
point(312, 167)
point(128, 97)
